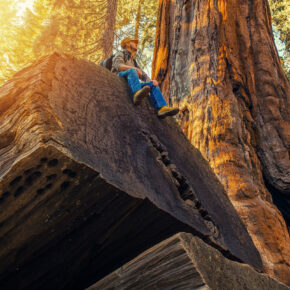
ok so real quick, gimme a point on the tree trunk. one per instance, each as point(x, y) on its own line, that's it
point(138, 18)
point(109, 31)
point(217, 61)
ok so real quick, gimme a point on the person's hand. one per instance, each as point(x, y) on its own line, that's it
point(155, 83)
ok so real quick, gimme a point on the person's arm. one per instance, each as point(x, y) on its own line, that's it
point(144, 77)
point(126, 67)
point(118, 62)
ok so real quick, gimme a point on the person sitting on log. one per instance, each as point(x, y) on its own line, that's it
point(124, 64)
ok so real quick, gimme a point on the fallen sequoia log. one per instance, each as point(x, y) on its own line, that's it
point(179, 263)
point(88, 181)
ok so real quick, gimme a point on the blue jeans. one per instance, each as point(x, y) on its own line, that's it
point(133, 80)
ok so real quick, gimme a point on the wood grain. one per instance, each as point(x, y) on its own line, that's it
point(185, 262)
point(88, 180)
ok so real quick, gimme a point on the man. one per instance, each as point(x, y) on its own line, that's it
point(125, 65)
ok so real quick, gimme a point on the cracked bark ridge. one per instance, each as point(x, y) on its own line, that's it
point(217, 61)
point(88, 180)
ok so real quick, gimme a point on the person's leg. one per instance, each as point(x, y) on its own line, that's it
point(156, 95)
point(133, 80)
point(136, 91)
point(159, 102)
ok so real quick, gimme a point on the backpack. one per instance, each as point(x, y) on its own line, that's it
point(108, 62)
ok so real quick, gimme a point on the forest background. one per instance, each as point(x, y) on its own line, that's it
point(93, 29)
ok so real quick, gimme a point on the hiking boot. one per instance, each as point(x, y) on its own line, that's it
point(167, 111)
point(139, 95)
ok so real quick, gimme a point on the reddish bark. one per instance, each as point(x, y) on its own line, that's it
point(217, 61)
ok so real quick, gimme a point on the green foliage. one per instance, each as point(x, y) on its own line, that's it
point(280, 10)
point(73, 27)
point(126, 26)
point(77, 27)
point(8, 18)
point(280, 17)
point(22, 48)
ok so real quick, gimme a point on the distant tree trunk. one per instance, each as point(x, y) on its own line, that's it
point(217, 61)
point(138, 18)
point(110, 20)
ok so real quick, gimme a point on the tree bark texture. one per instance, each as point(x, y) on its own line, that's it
point(109, 31)
point(88, 180)
point(138, 19)
point(218, 62)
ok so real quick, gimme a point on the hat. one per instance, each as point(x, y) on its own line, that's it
point(126, 40)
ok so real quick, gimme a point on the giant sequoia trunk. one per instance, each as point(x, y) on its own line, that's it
point(217, 61)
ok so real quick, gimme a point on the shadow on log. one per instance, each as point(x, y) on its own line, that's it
point(185, 262)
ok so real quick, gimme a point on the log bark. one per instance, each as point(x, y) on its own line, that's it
point(88, 181)
point(218, 62)
point(185, 262)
